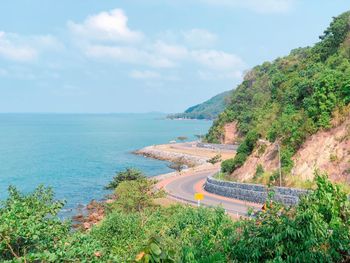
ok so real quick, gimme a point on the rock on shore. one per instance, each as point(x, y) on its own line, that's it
point(160, 154)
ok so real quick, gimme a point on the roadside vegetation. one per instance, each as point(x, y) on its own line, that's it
point(291, 98)
point(135, 229)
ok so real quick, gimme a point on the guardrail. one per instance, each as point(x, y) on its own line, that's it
point(252, 192)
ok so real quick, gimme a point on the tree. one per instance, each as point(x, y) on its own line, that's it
point(178, 165)
point(136, 195)
point(199, 136)
point(182, 138)
point(29, 223)
point(128, 174)
point(215, 159)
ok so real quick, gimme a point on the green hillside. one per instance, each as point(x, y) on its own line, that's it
point(292, 97)
point(209, 109)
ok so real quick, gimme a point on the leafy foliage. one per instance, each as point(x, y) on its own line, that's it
point(243, 151)
point(136, 195)
point(316, 230)
point(31, 231)
point(209, 109)
point(294, 96)
point(179, 164)
point(215, 159)
point(128, 174)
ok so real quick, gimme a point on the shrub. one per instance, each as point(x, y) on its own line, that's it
point(136, 195)
point(259, 171)
point(228, 165)
point(215, 159)
point(128, 174)
point(243, 151)
point(316, 230)
point(29, 223)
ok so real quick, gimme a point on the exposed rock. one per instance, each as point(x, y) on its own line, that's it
point(231, 134)
point(328, 151)
point(160, 154)
point(265, 154)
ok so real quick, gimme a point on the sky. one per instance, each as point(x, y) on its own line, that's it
point(106, 56)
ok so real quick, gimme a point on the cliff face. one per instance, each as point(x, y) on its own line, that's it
point(293, 100)
point(327, 150)
point(230, 133)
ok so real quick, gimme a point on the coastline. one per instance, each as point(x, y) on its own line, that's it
point(191, 153)
point(194, 156)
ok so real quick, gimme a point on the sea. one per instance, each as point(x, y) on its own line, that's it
point(78, 154)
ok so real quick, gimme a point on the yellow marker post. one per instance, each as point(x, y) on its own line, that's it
point(198, 197)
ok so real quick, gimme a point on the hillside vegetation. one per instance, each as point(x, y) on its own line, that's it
point(291, 98)
point(209, 109)
point(136, 230)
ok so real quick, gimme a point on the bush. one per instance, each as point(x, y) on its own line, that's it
point(243, 151)
point(136, 195)
point(29, 223)
point(215, 159)
point(317, 230)
point(228, 165)
point(128, 174)
point(259, 171)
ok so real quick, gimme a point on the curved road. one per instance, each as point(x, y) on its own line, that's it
point(185, 186)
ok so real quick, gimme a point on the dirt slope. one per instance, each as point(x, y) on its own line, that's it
point(231, 134)
point(265, 154)
point(326, 150)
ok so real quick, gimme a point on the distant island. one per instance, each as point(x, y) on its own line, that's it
point(207, 110)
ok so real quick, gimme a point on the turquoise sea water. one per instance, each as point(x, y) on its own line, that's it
point(78, 154)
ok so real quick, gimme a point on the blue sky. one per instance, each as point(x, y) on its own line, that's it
point(143, 55)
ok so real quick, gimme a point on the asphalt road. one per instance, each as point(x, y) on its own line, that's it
point(184, 187)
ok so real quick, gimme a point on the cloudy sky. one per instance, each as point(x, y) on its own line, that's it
point(143, 55)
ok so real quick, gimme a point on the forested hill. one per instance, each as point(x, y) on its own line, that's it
point(292, 97)
point(209, 109)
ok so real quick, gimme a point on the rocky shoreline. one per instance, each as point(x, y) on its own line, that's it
point(159, 154)
point(191, 155)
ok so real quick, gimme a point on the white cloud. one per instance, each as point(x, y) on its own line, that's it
point(106, 26)
point(46, 42)
point(128, 55)
point(146, 74)
point(260, 6)
point(26, 48)
point(106, 36)
point(199, 38)
point(217, 60)
point(9, 49)
point(170, 51)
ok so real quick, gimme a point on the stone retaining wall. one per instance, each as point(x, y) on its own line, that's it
point(252, 192)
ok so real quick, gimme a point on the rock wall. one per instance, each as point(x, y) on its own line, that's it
point(252, 192)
